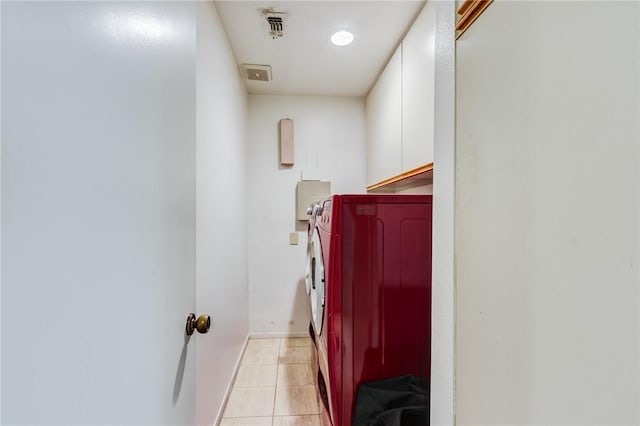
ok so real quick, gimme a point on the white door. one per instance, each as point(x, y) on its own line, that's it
point(98, 136)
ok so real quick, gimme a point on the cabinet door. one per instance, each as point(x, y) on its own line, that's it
point(384, 123)
point(418, 91)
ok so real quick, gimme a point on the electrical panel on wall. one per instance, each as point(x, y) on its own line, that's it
point(308, 192)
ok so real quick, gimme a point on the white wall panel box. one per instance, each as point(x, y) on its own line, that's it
point(286, 142)
point(308, 192)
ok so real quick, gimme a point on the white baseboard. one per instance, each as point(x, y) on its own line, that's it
point(227, 392)
point(277, 335)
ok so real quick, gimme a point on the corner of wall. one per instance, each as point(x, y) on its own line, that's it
point(443, 291)
point(221, 213)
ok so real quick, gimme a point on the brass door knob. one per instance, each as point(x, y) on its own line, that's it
point(202, 323)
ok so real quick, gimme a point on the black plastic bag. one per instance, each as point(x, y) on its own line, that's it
point(399, 401)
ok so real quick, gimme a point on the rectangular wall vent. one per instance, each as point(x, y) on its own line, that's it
point(256, 72)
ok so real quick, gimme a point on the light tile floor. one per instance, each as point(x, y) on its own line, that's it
point(274, 386)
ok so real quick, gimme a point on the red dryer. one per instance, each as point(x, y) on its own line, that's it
point(369, 283)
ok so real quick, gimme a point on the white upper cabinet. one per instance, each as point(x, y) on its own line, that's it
point(384, 123)
point(418, 61)
point(400, 106)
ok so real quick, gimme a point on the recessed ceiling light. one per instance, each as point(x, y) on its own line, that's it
point(342, 38)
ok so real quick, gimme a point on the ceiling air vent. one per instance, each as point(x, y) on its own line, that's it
point(256, 72)
point(275, 22)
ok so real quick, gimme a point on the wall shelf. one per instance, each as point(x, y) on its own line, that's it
point(419, 176)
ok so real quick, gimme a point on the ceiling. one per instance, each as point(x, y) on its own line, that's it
point(303, 61)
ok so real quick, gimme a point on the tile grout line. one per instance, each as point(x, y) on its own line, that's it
point(275, 392)
point(236, 385)
point(280, 346)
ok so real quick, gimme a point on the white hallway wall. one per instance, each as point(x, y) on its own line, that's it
point(329, 134)
point(547, 215)
point(221, 235)
point(1, 174)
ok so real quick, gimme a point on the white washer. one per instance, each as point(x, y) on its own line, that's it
point(314, 271)
point(317, 282)
point(308, 263)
